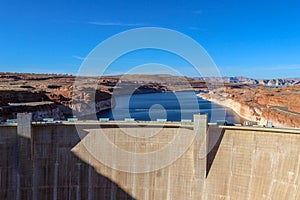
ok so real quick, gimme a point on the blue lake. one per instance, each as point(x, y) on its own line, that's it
point(173, 106)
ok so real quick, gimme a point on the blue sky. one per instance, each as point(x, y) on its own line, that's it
point(258, 39)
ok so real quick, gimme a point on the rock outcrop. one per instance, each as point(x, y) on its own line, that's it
point(261, 104)
point(58, 89)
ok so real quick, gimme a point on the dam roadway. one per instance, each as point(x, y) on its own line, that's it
point(51, 162)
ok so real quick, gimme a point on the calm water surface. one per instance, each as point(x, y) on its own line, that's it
point(173, 106)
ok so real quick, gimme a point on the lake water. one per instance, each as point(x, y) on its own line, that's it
point(175, 106)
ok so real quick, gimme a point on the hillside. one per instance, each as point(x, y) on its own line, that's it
point(261, 104)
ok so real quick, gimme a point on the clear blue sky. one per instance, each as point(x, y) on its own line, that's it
point(258, 39)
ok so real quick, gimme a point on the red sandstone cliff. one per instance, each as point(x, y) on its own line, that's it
point(20, 88)
point(262, 104)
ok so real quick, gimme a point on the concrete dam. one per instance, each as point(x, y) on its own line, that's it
point(184, 160)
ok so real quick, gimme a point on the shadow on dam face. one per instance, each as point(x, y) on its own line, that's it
point(47, 161)
point(40, 161)
point(42, 166)
point(214, 139)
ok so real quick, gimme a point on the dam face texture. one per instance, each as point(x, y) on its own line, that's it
point(50, 161)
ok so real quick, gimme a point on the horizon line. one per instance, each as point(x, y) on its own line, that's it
point(108, 75)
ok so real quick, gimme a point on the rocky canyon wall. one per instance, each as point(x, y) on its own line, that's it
point(262, 104)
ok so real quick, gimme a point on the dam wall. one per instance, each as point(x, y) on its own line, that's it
point(43, 167)
point(55, 162)
point(255, 163)
point(150, 177)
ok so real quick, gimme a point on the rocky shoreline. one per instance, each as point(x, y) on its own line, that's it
point(261, 105)
point(244, 112)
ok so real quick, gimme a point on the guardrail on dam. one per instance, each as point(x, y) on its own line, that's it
point(51, 161)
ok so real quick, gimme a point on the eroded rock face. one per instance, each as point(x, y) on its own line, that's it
point(281, 106)
point(57, 89)
point(14, 96)
point(48, 110)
